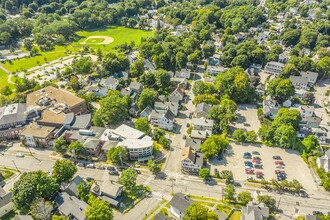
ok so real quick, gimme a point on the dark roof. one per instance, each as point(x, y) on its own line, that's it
point(181, 202)
point(147, 110)
point(5, 197)
point(161, 216)
point(82, 121)
point(194, 143)
point(72, 188)
point(69, 119)
point(12, 113)
point(92, 143)
point(169, 115)
point(71, 206)
point(203, 107)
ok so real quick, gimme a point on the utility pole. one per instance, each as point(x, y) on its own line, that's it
point(15, 165)
point(278, 204)
point(121, 160)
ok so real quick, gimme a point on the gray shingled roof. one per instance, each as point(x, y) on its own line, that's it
point(12, 113)
point(181, 202)
point(72, 188)
point(71, 205)
point(82, 121)
point(203, 107)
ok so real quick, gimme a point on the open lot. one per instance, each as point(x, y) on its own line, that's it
point(295, 167)
point(247, 117)
point(119, 35)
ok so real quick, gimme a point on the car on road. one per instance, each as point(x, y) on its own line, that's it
point(317, 213)
point(255, 153)
point(184, 137)
point(318, 182)
point(113, 172)
point(277, 157)
point(100, 167)
point(89, 179)
point(19, 155)
point(91, 165)
point(237, 184)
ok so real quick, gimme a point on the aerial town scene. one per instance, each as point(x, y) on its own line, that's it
point(164, 109)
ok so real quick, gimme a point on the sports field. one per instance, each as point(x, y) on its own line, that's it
point(100, 38)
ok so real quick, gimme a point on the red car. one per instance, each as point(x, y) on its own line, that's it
point(259, 174)
point(249, 171)
point(278, 162)
point(256, 161)
point(256, 158)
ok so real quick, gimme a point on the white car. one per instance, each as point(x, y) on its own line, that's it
point(19, 155)
point(91, 165)
point(100, 167)
point(318, 182)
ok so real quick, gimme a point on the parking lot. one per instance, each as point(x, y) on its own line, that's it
point(247, 118)
point(295, 167)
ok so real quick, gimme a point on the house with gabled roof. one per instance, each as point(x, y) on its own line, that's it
point(72, 187)
point(202, 110)
point(179, 204)
point(162, 119)
point(191, 161)
point(179, 91)
point(110, 83)
point(324, 161)
point(145, 113)
point(6, 204)
point(255, 212)
point(70, 206)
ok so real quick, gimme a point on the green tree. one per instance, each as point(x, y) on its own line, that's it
point(84, 65)
point(83, 191)
point(142, 124)
point(147, 97)
point(117, 155)
point(197, 211)
point(163, 79)
point(97, 120)
point(268, 201)
point(239, 135)
point(28, 44)
point(286, 136)
point(128, 178)
point(114, 108)
point(207, 98)
point(250, 136)
point(181, 59)
point(213, 145)
point(60, 145)
point(310, 143)
point(137, 69)
point(41, 209)
point(290, 37)
point(229, 192)
point(98, 209)
point(6, 91)
point(153, 167)
point(323, 66)
point(164, 142)
point(281, 89)
point(289, 70)
point(242, 61)
point(59, 217)
point(157, 134)
point(74, 83)
point(244, 197)
point(63, 170)
point(204, 173)
point(77, 149)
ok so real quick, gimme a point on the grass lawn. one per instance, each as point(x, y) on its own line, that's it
point(29, 62)
point(224, 208)
point(119, 34)
point(95, 40)
point(202, 198)
point(235, 216)
point(6, 173)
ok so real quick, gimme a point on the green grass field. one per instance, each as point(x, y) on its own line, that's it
point(119, 34)
point(4, 80)
point(95, 40)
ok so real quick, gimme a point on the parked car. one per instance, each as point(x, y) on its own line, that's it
point(237, 184)
point(317, 213)
point(281, 177)
point(19, 155)
point(248, 163)
point(247, 155)
point(100, 167)
point(184, 137)
point(80, 164)
point(89, 179)
point(255, 153)
point(137, 171)
point(111, 168)
point(279, 171)
point(91, 165)
point(258, 166)
point(279, 166)
point(256, 161)
point(318, 182)
point(113, 172)
point(249, 178)
point(279, 162)
point(277, 158)
point(249, 171)
point(259, 174)
point(256, 158)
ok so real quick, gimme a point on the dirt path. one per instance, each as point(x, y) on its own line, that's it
point(107, 40)
point(9, 73)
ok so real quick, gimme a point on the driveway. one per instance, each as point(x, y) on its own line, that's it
point(295, 167)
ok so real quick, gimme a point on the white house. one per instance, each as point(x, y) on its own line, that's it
point(183, 73)
point(191, 161)
point(311, 76)
point(202, 124)
point(299, 82)
point(162, 119)
point(270, 107)
point(179, 91)
point(110, 83)
point(146, 112)
point(215, 70)
point(6, 205)
point(306, 111)
point(179, 204)
point(274, 68)
point(324, 161)
point(172, 106)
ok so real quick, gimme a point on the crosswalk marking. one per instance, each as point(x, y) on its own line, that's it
point(170, 174)
point(158, 194)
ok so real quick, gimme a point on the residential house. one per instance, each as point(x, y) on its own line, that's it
point(110, 83)
point(179, 205)
point(179, 91)
point(22, 217)
point(299, 82)
point(136, 87)
point(311, 76)
point(274, 68)
point(202, 124)
point(161, 216)
point(215, 59)
point(215, 70)
point(13, 118)
point(283, 58)
point(240, 36)
point(306, 111)
point(200, 135)
point(311, 122)
point(148, 65)
point(70, 206)
point(270, 107)
point(162, 119)
point(97, 90)
point(191, 161)
point(145, 113)
point(262, 37)
point(6, 204)
point(72, 187)
point(108, 191)
point(193, 143)
point(172, 106)
point(183, 73)
point(320, 133)
point(324, 161)
point(92, 145)
point(176, 81)
point(35, 135)
point(134, 110)
point(202, 110)
point(312, 217)
point(252, 211)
